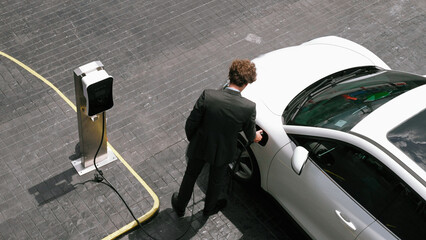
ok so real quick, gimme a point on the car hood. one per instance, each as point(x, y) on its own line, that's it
point(283, 73)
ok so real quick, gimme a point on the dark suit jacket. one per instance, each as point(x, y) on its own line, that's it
point(212, 127)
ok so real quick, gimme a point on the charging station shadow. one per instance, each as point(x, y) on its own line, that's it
point(53, 187)
point(56, 186)
point(77, 154)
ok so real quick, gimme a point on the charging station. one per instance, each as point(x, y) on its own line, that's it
point(93, 93)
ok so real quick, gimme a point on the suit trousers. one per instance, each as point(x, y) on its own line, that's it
point(217, 176)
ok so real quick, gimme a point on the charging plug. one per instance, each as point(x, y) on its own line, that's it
point(98, 178)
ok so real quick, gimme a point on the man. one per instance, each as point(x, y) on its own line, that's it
point(212, 129)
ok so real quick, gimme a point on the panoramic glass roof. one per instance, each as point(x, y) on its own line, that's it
point(410, 137)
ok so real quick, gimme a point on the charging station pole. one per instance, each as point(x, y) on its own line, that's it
point(90, 127)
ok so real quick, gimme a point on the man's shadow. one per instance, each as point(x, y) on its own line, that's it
point(167, 225)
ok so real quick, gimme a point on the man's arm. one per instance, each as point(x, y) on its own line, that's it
point(195, 117)
point(250, 127)
point(250, 131)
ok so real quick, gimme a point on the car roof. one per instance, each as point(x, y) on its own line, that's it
point(390, 115)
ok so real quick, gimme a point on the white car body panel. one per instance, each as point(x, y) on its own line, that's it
point(349, 45)
point(270, 123)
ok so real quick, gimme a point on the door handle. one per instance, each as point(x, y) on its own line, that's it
point(347, 222)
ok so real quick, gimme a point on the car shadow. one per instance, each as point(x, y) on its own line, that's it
point(250, 205)
point(247, 207)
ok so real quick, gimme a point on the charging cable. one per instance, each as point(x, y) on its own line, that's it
point(100, 178)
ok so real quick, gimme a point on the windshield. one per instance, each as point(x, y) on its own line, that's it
point(343, 104)
point(410, 137)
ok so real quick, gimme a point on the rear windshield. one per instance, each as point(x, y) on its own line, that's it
point(410, 137)
point(343, 105)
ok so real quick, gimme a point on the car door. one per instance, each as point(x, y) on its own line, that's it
point(314, 200)
point(337, 193)
point(404, 217)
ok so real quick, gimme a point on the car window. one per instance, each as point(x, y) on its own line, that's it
point(406, 215)
point(370, 183)
point(341, 106)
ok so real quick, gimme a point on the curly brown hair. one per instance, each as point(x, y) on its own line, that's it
point(242, 72)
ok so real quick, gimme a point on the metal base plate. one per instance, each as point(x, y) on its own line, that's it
point(81, 170)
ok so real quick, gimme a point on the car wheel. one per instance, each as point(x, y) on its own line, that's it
point(244, 168)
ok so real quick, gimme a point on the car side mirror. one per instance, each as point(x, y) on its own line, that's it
point(299, 158)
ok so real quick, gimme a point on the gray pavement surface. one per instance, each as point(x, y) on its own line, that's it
point(162, 54)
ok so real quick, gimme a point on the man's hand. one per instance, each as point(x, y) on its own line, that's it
point(258, 137)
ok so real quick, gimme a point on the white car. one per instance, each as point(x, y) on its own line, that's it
point(344, 146)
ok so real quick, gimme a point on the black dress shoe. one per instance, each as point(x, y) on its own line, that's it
point(179, 212)
point(221, 204)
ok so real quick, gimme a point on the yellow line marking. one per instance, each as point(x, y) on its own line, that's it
point(156, 205)
point(147, 215)
point(40, 77)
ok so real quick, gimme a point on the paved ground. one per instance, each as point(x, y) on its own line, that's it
point(161, 55)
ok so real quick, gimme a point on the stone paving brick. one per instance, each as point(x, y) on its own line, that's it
point(162, 55)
